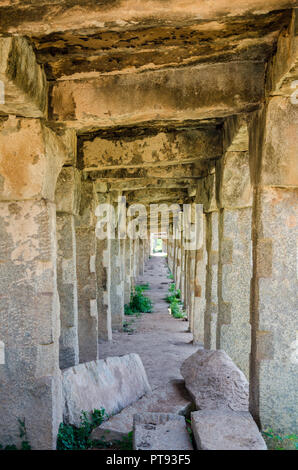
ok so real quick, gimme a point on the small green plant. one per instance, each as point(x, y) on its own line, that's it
point(173, 298)
point(23, 435)
point(276, 442)
point(139, 303)
point(75, 438)
point(127, 327)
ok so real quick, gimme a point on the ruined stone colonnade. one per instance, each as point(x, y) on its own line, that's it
point(188, 103)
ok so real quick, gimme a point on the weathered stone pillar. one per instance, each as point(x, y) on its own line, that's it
point(206, 195)
point(86, 274)
point(67, 199)
point(128, 267)
point(199, 289)
point(103, 278)
point(141, 257)
point(116, 267)
point(235, 264)
point(273, 379)
point(31, 157)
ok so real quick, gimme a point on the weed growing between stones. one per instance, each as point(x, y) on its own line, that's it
point(173, 298)
point(139, 303)
point(23, 435)
point(276, 442)
point(77, 438)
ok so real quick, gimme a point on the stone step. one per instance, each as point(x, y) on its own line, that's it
point(160, 431)
point(170, 398)
point(226, 430)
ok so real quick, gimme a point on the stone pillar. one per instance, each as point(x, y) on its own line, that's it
point(127, 274)
point(141, 257)
point(116, 267)
point(67, 199)
point(273, 379)
point(206, 195)
point(103, 280)
point(235, 264)
point(30, 378)
point(86, 275)
point(199, 289)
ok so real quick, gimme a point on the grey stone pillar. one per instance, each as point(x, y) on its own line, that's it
point(86, 275)
point(235, 264)
point(30, 378)
point(273, 378)
point(67, 197)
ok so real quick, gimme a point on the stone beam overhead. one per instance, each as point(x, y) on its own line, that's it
point(208, 91)
point(156, 150)
point(186, 171)
point(24, 82)
point(142, 183)
point(152, 195)
point(43, 16)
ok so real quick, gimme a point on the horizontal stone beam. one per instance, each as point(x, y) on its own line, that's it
point(153, 195)
point(168, 172)
point(23, 85)
point(143, 183)
point(172, 95)
point(40, 17)
point(164, 148)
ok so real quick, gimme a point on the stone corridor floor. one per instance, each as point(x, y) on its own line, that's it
point(162, 341)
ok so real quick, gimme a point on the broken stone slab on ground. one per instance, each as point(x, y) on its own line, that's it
point(160, 431)
point(226, 430)
point(112, 384)
point(214, 381)
point(170, 398)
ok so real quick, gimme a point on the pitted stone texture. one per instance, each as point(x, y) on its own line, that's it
point(67, 288)
point(160, 431)
point(211, 311)
point(226, 430)
point(31, 158)
point(67, 194)
point(214, 381)
point(112, 384)
point(25, 85)
point(30, 379)
point(170, 398)
point(235, 272)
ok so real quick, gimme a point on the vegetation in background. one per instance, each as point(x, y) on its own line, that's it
point(157, 247)
point(139, 303)
point(23, 435)
point(127, 327)
point(276, 442)
point(174, 299)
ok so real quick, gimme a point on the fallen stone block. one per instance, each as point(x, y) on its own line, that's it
point(160, 431)
point(113, 384)
point(214, 381)
point(226, 430)
point(170, 398)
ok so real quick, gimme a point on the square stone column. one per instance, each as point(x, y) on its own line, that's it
point(274, 364)
point(206, 195)
point(141, 256)
point(235, 246)
point(211, 312)
point(199, 290)
point(128, 268)
point(86, 275)
point(31, 157)
point(67, 197)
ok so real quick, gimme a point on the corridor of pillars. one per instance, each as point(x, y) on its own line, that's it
point(77, 132)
